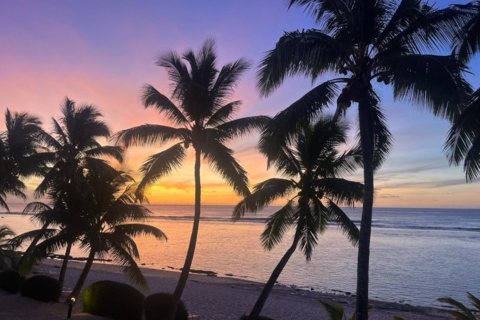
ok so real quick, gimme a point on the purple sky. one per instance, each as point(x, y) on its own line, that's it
point(102, 52)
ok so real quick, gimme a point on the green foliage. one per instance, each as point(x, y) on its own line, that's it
point(41, 288)
point(335, 311)
point(462, 312)
point(113, 300)
point(158, 306)
point(245, 317)
point(11, 281)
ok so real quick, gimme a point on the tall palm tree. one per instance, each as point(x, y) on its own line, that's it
point(310, 164)
point(18, 144)
point(112, 204)
point(73, 147)
point(463, 140)
point(362, 41)
point(203, 114)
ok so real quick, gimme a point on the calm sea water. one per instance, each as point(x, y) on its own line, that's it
point(417, 255)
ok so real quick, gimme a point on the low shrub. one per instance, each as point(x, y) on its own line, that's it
point(158, 305)
point(11, 281)
point(113, 300)
point(41, 288)
point(245, 317)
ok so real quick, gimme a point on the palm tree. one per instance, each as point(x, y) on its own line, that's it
point(310, 163)
point(72, 149)
point(364, 40)
point(463, 140)
point(204, 119)
point(112, 204)
point(463, 312)
point(5, 246)
point(18, 145)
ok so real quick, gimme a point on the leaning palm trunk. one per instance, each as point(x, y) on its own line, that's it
point(257, 308)
point(367, 141)
point(63, 271)
point(182, 281)
point(25, 264)
point(83, 276)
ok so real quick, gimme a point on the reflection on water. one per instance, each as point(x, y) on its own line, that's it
point(410, 264)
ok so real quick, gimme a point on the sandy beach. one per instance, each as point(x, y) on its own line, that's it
point(207, 297)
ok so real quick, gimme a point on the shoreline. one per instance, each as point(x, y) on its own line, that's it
point(208, 297)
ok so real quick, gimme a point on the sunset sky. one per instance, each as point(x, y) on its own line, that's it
point(102, 52)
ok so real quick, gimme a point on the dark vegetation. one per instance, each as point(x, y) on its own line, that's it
point(11, 281)
point(158, 306)
point(41, 288)
point(113, 300)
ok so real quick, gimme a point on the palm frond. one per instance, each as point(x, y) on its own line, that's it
point(462, 312)
point(227, 79)
point(284, 125)
point(467, 41)
point(131, 269)
point(277, 224)
point(148, 134)
point(18, 240)
point(474, 301)
point(431, 81)
point(242, 126)
point(151, 97)
point(160, 165)
point(136, 229)
point(120, 212)
point(334, 311)
point(222, 161)
point(223, 114)
point(309, 52)
point(5, 231)
point(115, 152)
point(341, 191)
point(311, 222)
point(344, 222)
point(264, 193)
point(463, 139)
point(51, 244)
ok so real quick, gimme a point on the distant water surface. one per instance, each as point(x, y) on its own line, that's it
point(417, 255)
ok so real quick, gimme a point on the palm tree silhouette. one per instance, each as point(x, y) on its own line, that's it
point(111, 205)
point(362, 41)
point(204, 118)
point(463, 140)
point(72, 148)
point(18, 145)
point(311, 164)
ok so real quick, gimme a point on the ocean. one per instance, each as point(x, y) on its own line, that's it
point(417, 255)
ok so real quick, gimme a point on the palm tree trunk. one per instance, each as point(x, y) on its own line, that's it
point(83, 276)
point(367, 142)
point(182, 281)
point(257, 308)
point(23, 266)
point(63, 270)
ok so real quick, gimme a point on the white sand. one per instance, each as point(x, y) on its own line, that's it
point(210, 298)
